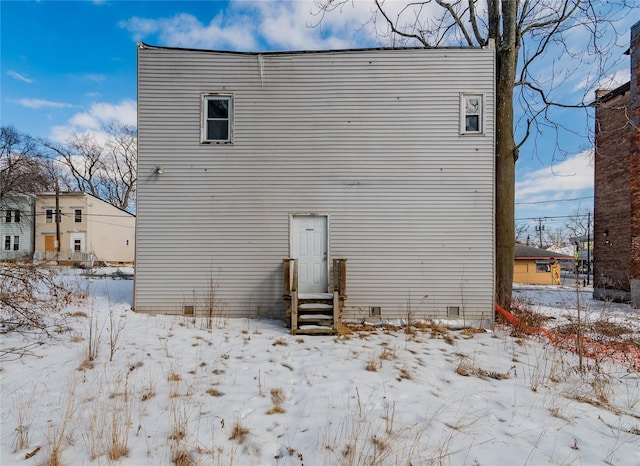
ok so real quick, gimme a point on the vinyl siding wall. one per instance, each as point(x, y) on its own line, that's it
point(370, 137)
point(22, 229)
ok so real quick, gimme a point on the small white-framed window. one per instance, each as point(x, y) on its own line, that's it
point(8, 216)
point(217, 118)
point(16, 243)
point(77, 215)
point(49, 215)
point(471, 113)
point(7, 243)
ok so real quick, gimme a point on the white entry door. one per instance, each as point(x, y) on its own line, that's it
point(309, 246)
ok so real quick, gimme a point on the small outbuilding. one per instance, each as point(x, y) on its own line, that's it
point(534, 266)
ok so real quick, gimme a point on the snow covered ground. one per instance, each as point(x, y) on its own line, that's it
point(167, 390)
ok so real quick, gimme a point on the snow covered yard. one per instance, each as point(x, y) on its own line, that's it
point(162, 390)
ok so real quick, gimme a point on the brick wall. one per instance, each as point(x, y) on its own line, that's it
point(634, 167)
point(617, 181)
point(611, 195)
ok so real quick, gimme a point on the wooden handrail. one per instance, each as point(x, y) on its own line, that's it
point(290, 268)
point(340, 276)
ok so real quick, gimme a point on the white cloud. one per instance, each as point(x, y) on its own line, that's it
point(184, 30)
point(565, 180)
point(19, 77)
point(95, 77)
point(609, 82)
point(259, 25)
point(92, 120)
point(40, 103)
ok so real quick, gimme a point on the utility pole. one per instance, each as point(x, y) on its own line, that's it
point(588, 246)
point(540, 229)
point(57, 214)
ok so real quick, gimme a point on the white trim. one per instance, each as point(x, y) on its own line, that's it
point(328, 234)
point(463, 112)
point(203, 117)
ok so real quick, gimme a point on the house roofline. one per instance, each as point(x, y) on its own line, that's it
point(143, 45)
point(620, 90)
point(529, 252)
point(81, 194)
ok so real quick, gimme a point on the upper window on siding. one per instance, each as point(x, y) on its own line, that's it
point(217, 118)
point(471, 114)
point(16, 216)
point(77, 215)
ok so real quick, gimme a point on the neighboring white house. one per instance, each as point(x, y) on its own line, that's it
point(17, 226)
point(89, 229)
point(382, 157)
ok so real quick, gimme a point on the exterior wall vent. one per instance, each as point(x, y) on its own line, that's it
point(187, 310)
point(376, 311)
point(453, 311)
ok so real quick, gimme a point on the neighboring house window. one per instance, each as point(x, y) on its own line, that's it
point(16, 243)
point(16, 216)
point(217, 118)
point(77, 244)
point(50, 215)
point(472, 113)
point(77, 215)
point(7, 243)
point(543, 266)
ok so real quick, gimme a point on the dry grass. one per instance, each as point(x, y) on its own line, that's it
point(466, 368)
point(239, 432)
point(214, 392)
point(277, 398)
point(373, 365)
point(23, 414)
point(280, 342)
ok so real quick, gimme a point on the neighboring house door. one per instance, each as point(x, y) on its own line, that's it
point(309, 246)
point(49, 243)
point(77, 242)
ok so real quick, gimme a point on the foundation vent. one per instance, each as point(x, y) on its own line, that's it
point(453, 311)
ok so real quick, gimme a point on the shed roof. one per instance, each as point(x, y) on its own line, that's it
point(529, 252)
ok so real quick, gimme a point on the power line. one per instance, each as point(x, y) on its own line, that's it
point(555, 200)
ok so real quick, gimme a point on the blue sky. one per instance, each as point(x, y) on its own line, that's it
point(70, 66)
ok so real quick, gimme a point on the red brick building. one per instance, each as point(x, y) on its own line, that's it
point(617, 187)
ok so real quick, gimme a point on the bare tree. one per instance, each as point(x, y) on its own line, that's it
point(522, 232)
point(30, 295)
point(101, 164)
point(23, 170)
point(579, 223)
point(526, 33)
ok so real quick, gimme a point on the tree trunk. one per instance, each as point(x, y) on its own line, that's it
point(506, 154)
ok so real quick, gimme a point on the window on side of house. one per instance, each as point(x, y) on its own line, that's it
point(16, 216)
point(471, 114)
point(49, 215)
point(543, 266)
point(77, 245)
point(77, 215)
point(7, 243)
point(16, 243)
point(217, 118)
point(7, 217)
